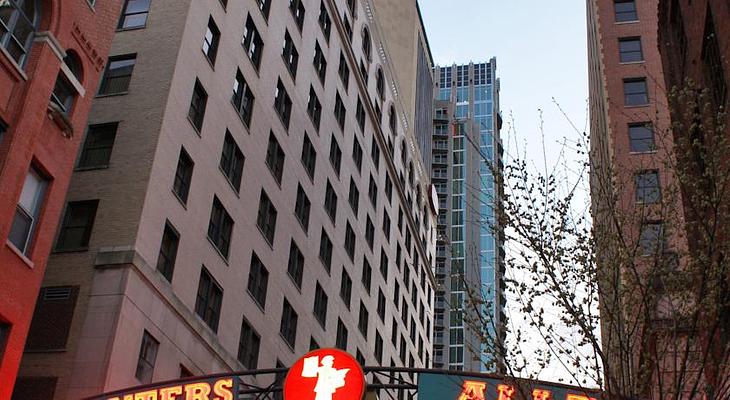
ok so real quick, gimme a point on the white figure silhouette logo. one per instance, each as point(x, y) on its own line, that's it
point(329, 379)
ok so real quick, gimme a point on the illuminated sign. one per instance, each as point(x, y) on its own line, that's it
point(213, 389)
point(490, 387)
point(325, 374)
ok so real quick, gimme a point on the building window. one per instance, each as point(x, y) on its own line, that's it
point(183, 176)
point(630, 50)
point(364, 72)
point(353, 197)
point(64, 92)
point(297, 11)
point(288, 328)
point(359, 357)
point(350, 242)
point(392, 120)
point(384, 265)
point(27, 211)
point(340, 111)
point(320, 62)
point(168, 251)
point(635, 92)
point(264, 6)
point(343, 71)
point(51, 323)
point(282, 103)
point(198, 102)
point(266, 218)
point(357, 155)
point(652, 238)
point(386, 225)
point(362, 320)
point(147, 358)
point(301, 208)
point(18, 25)
point(394, 331)
point(341, 339)
point(381, 305)
point(324, 21)
point(290, 54)
point(648, 187)
point(309, 156)
point(220, 228)
point(360, 114)
point(367, 274)
point(4, 336)
point(243, 98)
point(388, 188)
point(117, 75)
point(369, 232)
point(325, 250)
point(330, 202)
point(346, 288)
point(641, 137)
point(248, 346)
point(258, 280)
point(378, 348)
point(275, 158)
point(712, 62)
point(211, 40)
point(98, 144)
point(373, 192)
point(134, 14)
point(314, 108)
point(348, 28)
point(380, 84)
point(252, 42)
point(295, 266)
point(313, 345)
point(366, 44)
point(77, 225)
point(320, 306)
point(335, 155)
point(208, 300)
point(375, 153)
point(351, 7)
point(625, 10)
point(232, 160)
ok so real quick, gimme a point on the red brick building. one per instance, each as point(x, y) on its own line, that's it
point(52, 53)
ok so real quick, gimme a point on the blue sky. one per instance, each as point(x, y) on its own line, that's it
point(541, 53)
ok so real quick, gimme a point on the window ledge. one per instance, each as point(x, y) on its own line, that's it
point(195, 128)
point(18, 69)
point(132, 28)
point(182, 203)
point(263, 235)
point(20, 254)
point(256, 302)
point(643, 152)
point(286, 342)
point(638, 105)
point(71, 250)
point(91, 168)
point(60, 119)
point(225, 260)
point(636, 21)
point(632, 62)
point(103, 95)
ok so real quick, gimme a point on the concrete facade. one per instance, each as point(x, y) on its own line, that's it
point(121, 293)
point(44, 45)
point(467, 152)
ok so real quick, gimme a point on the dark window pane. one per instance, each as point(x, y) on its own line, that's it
point(168, 251)
point(77, 224)
point(118, 74)
point(258, 280)
point(635, 92)
point(198, 103)
point(232, 160)
point(208, 300)
point(147, 358)
point(98, 144)
point(625, 10)
point(220, 227)
point(630, 49)
point(183, 176)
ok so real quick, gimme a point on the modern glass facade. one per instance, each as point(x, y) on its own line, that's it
point(466, 154)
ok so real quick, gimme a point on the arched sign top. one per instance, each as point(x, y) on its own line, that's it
point(325, 374)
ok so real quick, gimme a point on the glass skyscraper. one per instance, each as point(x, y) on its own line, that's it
point(467, 153)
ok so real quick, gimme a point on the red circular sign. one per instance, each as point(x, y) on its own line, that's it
point(325, 374)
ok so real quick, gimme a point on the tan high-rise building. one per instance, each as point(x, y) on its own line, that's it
point(237, 200)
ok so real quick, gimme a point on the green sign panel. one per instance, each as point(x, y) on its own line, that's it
point(491, 387)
